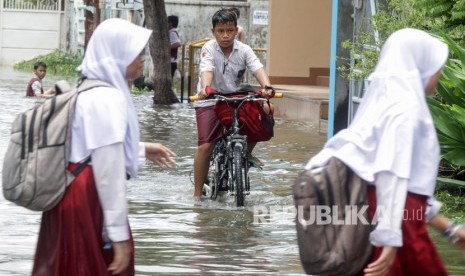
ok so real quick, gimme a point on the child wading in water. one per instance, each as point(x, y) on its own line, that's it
point(34, 87)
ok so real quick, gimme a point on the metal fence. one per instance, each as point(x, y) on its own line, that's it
point(47, 5)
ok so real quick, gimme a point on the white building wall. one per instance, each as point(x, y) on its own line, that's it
point(26, 33)
point(195, 19)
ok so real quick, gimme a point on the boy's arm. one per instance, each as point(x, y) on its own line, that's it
point(263, 79)
point(175, 41)
point(241, 34)
point(175, 45)
point(206, 79)
point(206, 67)
point(49, 93)
point(37, 88)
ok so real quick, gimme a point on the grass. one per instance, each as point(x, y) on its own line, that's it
point(451, 193)
point(58, 62)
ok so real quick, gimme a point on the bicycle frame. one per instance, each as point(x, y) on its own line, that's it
point(229, 161)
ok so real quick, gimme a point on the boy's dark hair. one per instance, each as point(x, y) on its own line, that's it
point(174, 20)
point(38, 64)
point(236, 11)
point(224, 16)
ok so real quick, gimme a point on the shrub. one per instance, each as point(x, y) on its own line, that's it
point(58, 62)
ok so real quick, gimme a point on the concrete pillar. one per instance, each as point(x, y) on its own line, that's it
point(1, 32)
point(341, 89)
point(258, 26)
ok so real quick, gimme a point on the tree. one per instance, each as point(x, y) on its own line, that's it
point(92, 13)
point(159, 46)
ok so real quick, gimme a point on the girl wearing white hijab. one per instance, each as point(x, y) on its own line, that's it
point(88, 233)
point(392, 143)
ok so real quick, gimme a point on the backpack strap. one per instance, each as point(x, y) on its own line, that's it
point(81, 166)
point(83, 84)
point(86, 84)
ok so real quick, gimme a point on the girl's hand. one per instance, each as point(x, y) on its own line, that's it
point(160, 154)
point(461, 239)
point(121, 258)
point(383, 264)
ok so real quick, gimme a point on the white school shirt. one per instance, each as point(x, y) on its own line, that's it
point(391, 194)
point(392, 138)
point(228, 72)
point(174, 38)
point(94, 109)
point(37, 87)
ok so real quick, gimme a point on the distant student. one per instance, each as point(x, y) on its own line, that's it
point(175, 41)
point(34, 87)
point(240, 31)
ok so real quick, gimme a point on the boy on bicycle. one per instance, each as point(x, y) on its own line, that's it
point(223, 63)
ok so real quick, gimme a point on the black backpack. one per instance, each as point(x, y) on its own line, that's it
point(338, 244)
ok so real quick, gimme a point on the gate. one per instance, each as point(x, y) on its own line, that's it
point(357, 87)
point(30, 28)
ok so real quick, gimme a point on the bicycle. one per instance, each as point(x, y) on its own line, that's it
point(229, 163)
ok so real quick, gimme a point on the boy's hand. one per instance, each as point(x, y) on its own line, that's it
point(268, 91)
point(202, 94)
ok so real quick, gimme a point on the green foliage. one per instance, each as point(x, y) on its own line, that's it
point(448, 107)
point(136, 90)
point(453, 203)
point(390, 17)
point(450, 13)
point(450, 192)
point(58, 62)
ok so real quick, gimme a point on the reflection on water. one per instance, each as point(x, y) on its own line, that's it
point(173, 234)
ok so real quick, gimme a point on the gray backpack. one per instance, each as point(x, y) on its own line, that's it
point(333, 239)
point(35, 172)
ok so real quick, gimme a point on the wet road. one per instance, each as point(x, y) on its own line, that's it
point(173, 234)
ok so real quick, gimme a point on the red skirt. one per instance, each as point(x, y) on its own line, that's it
point(70, 238)
point(418, 255)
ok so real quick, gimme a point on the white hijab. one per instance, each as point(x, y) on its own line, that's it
point(114, 45)
point(393, 130)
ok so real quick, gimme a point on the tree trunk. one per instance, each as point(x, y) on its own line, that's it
point(92, 16)
point(159, 45)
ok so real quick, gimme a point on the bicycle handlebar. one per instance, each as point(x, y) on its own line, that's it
point(222, 97)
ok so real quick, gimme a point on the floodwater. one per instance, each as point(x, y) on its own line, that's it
point(173, 234)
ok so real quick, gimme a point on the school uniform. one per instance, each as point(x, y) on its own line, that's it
point(228, 76)
point(75, 236)
point(392, 144)
point(34, 85)
point(174, 38)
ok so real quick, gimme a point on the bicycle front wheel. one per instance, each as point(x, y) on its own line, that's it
point(238, 173)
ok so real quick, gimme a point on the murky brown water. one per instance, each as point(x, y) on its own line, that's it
point(173, 234)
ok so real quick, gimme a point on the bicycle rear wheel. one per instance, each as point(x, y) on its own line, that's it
point(238, 174)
